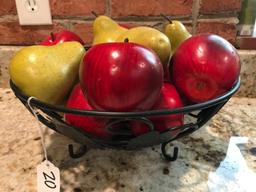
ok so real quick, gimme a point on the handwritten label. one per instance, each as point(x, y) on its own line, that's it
point(48, 177)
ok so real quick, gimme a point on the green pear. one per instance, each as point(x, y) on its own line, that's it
point(150, 38)
point(106, 30)
point(47, 72)
point(177, 33)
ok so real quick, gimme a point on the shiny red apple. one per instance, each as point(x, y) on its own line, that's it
point(92, 125)
point(169, 99)
point(204, 67)
point(121, 77)
point(60, 37)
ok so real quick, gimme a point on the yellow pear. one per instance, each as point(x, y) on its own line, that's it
point(150, 38)
point(47, 72)
point(177, 33)
point(106, 30)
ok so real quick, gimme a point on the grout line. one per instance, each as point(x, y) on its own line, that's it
point(9, 18)
point(195, 13)
point(184, 18)
point(108, 7)
point(218, 15)
point(151, 18)
point(227, 20)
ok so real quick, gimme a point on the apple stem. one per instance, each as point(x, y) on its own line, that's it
point(165, 17)
point(52, 36)
point(94, 13)
point(126, 40)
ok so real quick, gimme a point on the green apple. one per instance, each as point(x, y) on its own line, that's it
point(47, 72)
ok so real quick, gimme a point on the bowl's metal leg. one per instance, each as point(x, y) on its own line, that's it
point(80, 152)
point(169, 157)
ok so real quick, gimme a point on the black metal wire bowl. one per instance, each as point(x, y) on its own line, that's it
point(196, 115)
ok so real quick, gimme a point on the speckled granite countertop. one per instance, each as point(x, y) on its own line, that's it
point(111, 170)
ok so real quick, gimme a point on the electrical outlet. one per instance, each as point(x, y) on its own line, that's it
point(34, 12)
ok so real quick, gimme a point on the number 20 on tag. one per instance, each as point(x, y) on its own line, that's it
point(48, 177)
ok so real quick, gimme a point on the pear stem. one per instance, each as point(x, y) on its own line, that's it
point(165, 17)
point(52, 36)
point(94, 13)
point(126, 40)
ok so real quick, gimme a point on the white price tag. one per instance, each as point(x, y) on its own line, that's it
point(48, 177)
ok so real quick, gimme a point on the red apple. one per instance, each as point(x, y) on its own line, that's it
point(204, 67)
point(169, 99)
point(63, 36)
point(92, 125)
point(121, 77)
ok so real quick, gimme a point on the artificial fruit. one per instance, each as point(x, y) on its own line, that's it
point(61, 37)
point(150, 38)
point(90, 124)
point(121, 77)
point(106, 30)
point(204, 67)
point(176, 32)
point(169, 99)
point(47, 72)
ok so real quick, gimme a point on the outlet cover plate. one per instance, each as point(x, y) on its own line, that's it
point(34, 12)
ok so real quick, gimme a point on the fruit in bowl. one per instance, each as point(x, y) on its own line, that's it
point(176, 32)
point(47, 72)
point(90, 124)
point(169, 99)
point(150, 38)
point(106, 30)
point(61, 37)
point(204, 67)
point(124, 77)
point(121, 77)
